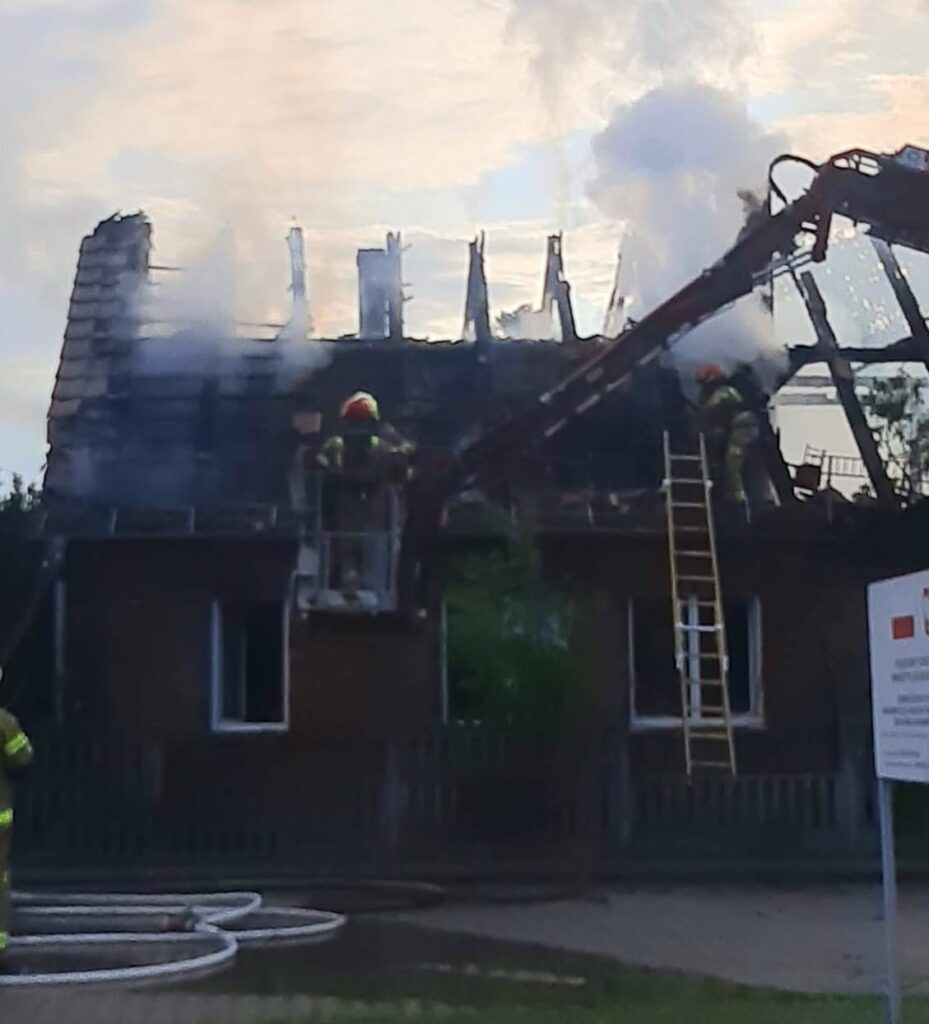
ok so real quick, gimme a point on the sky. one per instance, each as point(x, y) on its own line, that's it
point(437, 117)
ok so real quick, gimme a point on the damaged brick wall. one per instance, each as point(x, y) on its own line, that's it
point(96, 353)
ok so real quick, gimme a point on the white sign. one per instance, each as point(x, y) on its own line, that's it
point(898, 620)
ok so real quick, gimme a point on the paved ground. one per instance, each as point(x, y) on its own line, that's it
point(808, 940)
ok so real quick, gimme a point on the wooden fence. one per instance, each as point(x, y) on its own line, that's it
point(269, 805)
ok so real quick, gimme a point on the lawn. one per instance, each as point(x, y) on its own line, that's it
point(670, 1000)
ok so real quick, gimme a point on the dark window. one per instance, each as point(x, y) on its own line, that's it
point(250, 674)
point(739, 641)
point(656, 683)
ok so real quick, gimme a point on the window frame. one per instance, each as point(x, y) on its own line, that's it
point(219, 724)
point(754, 718)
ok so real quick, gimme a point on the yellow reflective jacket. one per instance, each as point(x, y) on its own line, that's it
point(15, 752)
point(721, 406)
point(383, 449)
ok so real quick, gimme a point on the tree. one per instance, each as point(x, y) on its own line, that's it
point(895, 406)
point(508, 640)
point(17, 504)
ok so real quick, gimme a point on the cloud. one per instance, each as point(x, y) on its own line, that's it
point(897, 114)
point(618, 51)
point(297, 95)
point(800, 45)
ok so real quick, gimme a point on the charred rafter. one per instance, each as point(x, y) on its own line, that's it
point(844, 380)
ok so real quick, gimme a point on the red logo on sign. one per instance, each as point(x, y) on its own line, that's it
point(903, 627)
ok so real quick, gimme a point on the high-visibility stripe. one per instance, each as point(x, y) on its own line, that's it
point(6, 817)
point(19, 742)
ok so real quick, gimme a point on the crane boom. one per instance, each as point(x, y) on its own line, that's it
point(888, 193)
point(884, 192)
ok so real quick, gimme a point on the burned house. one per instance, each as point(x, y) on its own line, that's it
point(199, 616)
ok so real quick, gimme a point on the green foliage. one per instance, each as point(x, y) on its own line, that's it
point(895, 406)
point(17, 504)
point(508, 634)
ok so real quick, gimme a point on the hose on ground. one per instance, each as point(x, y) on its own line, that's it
point(201, 932)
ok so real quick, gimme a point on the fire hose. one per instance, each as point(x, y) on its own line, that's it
point(201, 932)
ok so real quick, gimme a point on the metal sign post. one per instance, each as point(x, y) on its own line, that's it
point(898, 626)
point(885, 805)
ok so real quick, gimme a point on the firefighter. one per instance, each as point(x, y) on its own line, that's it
point(15, 754)
point(365, 446)
point(364, 454)
point(730, 427)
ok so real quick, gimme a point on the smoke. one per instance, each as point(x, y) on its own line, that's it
point(526, 324)
point(676, 151)
point(676, 168)
point(188, 324)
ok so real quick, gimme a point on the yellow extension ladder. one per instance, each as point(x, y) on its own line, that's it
point(700, 650)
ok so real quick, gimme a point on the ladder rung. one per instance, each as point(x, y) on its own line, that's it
point(703, 723)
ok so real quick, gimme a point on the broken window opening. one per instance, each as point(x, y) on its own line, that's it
point(249, 666)
point(655, 683)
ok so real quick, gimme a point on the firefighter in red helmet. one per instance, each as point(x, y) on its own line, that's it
point(729, 425)
point(364, 445)
point(360, 459)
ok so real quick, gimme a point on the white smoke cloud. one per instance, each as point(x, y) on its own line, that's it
point(190, 323)
point(676, 150)
point(670, 167)
point(526, 324)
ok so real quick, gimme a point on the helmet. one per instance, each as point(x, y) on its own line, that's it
point(360, 407)
point(709, 373)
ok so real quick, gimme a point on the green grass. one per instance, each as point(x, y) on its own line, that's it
point(609, 995)
point(687, 1002)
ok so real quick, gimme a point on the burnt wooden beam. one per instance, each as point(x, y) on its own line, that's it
point(905, 297)
point(556, 291)
point(902, 351)
point(477, 305)
point(844, 380)
point(777, 468)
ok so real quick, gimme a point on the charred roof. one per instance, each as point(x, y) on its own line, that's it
point(194, 419)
